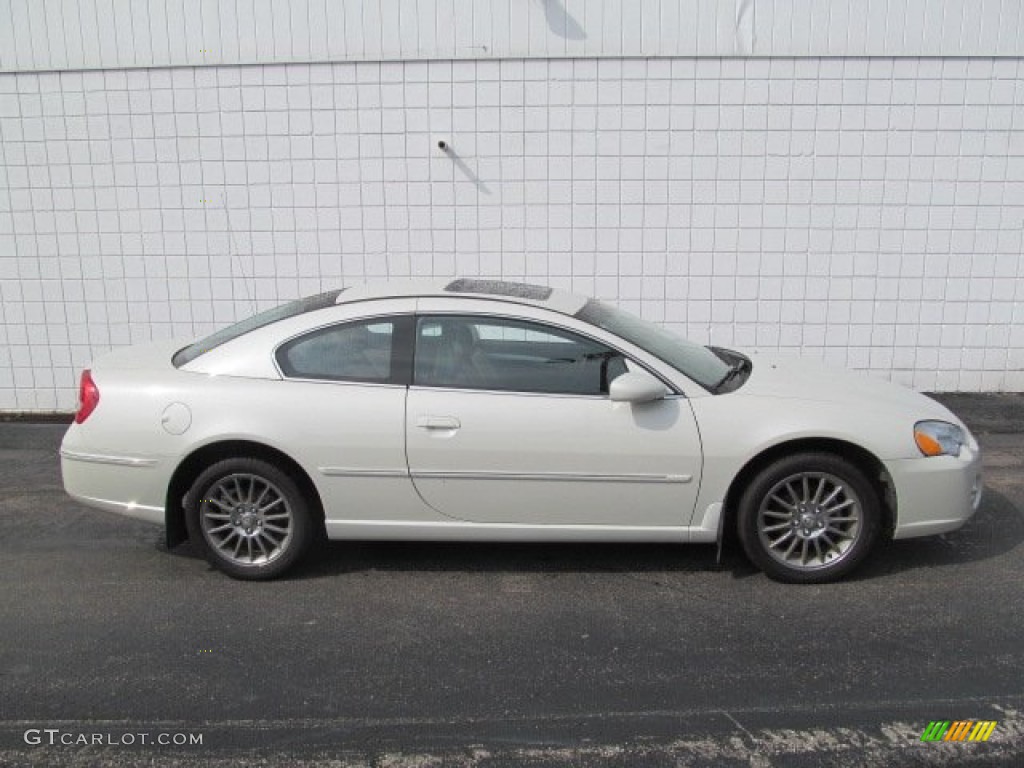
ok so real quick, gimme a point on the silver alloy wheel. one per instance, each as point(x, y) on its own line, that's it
point(246, 519)
point(810, 520)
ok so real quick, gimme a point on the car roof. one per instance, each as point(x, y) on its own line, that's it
point(467, 288)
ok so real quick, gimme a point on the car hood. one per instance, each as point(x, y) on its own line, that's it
point(795, 378)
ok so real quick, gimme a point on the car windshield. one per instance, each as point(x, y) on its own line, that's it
point(697, 362)
point(291, 309)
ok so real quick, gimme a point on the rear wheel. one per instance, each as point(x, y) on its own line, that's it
point(809, 518)
point(249, 518)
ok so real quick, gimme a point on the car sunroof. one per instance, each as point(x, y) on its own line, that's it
point(500, 288)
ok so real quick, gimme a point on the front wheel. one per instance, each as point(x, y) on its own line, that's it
point(809, 518)
point(249, 518)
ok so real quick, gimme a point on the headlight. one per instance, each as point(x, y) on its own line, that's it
point(939, 438)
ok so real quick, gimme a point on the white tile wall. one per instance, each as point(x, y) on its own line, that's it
point(867, 212)
point(98, 34)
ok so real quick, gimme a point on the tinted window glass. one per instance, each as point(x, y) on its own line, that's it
point(358, 351)
point(308, 304)
point(699, 363)
point(500, 288)
point(511, 355)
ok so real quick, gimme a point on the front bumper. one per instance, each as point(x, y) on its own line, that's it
point(936, 494)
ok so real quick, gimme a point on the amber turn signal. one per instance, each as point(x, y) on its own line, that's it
point(929, 445)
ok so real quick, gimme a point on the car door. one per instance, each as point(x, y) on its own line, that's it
point(509, 421)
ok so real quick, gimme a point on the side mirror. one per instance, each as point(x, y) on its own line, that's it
point(636, 387)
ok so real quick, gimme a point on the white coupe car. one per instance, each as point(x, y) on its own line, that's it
point(493, 411)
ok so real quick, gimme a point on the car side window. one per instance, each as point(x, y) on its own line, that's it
point(511, 355)
point(355, 351)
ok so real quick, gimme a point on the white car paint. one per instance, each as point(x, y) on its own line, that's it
point(788, 398)
point(561, 460)
point(396, 462)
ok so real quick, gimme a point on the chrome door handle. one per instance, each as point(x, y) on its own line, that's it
point(438, 422)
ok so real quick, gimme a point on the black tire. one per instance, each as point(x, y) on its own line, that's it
point(790, 534)
point(249, 518)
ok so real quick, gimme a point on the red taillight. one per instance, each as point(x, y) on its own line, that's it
point(88, 397)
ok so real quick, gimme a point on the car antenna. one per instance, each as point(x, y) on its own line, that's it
point(232, 252)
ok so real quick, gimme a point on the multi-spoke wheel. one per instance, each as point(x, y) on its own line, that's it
point(808, 518)
point(249, 518)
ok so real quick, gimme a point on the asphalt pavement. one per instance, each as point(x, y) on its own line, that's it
point(404, 654)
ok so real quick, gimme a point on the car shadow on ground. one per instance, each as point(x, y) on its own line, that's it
point(489, 557)
point(996, 529)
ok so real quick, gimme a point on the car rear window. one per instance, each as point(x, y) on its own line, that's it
point(224, 335)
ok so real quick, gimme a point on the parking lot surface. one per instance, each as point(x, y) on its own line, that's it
point(393, 654)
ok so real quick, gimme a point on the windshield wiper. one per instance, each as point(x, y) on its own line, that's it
point(741, 366)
